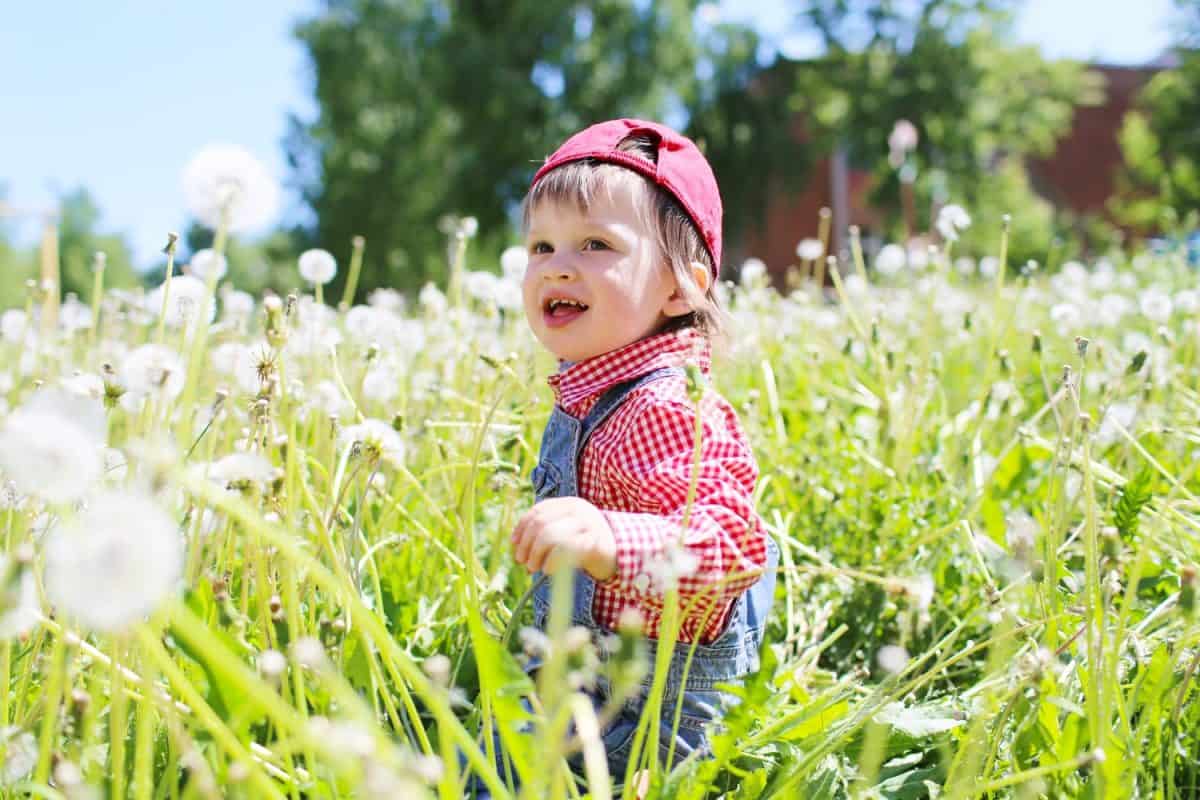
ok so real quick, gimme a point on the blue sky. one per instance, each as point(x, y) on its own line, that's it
point(116, 96)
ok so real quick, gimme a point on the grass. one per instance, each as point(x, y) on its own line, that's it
point(942, 464)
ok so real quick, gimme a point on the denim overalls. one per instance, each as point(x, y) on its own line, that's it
point(730, 657)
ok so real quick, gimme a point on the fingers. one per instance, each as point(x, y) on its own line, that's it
point(539, 551)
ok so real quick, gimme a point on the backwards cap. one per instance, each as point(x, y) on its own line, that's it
point(681, 170)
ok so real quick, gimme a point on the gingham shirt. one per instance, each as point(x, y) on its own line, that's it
point(636, 468)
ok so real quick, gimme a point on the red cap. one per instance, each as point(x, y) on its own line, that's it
point(681, 169)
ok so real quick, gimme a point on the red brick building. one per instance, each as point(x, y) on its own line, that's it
point(1079, 176)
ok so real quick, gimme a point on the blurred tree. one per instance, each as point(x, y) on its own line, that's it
point(974, 99)
point(16, 266)
point(254, 266)
point(429, 108)
point(1160, 139)
point(79, 241)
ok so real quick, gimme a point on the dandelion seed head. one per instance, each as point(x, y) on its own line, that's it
point(186, 296)
point(74, 316)
point(272, 663)
point(13, 325)
point(20, 610)
point(809, 249)
point(317, 266)
point(951, 221)
point(381, 384)
point(753, 272)
point(386, 299)
point(240, 469)
point(481, 285)
point(891, 259)
point(892, 659)
point(513, 262)
point(432, 299)
point(50, 447)
point(20, 754)
point(153, 370)
point(238, 305)
point(208, 264)
point(115, 562)
point(227, 179)
point(377, 440)
point(1155, 304)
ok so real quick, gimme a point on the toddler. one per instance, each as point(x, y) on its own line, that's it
point(623, 225)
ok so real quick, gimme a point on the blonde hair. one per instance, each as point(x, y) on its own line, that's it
point(679, 241)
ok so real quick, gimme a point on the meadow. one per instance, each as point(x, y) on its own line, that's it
point(258, 546)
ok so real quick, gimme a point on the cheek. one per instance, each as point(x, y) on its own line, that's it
point(529, 293)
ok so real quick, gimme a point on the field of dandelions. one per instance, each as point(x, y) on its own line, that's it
point(257, 546)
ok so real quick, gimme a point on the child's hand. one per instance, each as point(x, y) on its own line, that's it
point(561, 526)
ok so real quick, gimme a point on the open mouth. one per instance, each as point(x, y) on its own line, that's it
point(561, 310)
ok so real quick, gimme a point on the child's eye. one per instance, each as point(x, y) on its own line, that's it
point(540, 247)
point(595, 244)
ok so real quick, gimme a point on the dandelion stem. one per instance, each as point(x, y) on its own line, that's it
point(356, 259)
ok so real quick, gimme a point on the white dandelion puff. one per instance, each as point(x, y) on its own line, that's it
point(810, 249)
point(951, 221)
point(1112, 308)
point(153, 369)
point(20, 610)
point(376, 439)
point(1020, 534)
point(13, 325)
point(272, 663)
point(20, 753)
point(317, 266)
point(892, 659)
point(753, 272)
point(226, 179)
point(892, 258)
point(386, 299)
point(85, 384)
point(208, 264)
point(186, 295)
point(1155, 304)
point(481, 285)
point(74, 316)
point(241, 468)
point(50, 447)
point(1066, 315)
point(115, 563)
point(432, 299)
point(508, 295)
point(381, 384)
point(1116, 417)
point(513, 262)
point(1187, 301)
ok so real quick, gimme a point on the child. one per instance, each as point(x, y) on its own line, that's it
point(623, 225)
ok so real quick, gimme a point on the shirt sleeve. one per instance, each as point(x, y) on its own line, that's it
point(722, 550)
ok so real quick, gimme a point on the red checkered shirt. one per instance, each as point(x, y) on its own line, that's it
point(636, 468)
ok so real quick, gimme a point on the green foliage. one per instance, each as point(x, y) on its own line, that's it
point(979, 103)
point(1033, 228)
point(1161, 146)
point(79, 241)
point(1131, 499)
point(267, 263)
point(429, 107)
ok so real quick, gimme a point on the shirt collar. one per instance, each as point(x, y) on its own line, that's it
point(579, 382)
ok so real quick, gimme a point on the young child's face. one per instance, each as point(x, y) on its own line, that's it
point(596, 281)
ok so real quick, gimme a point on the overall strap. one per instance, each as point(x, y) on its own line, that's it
point(612, 398)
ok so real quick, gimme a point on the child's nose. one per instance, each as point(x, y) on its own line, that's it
point(559, 268)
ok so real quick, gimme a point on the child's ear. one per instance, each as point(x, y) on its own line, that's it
point(678, 303)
